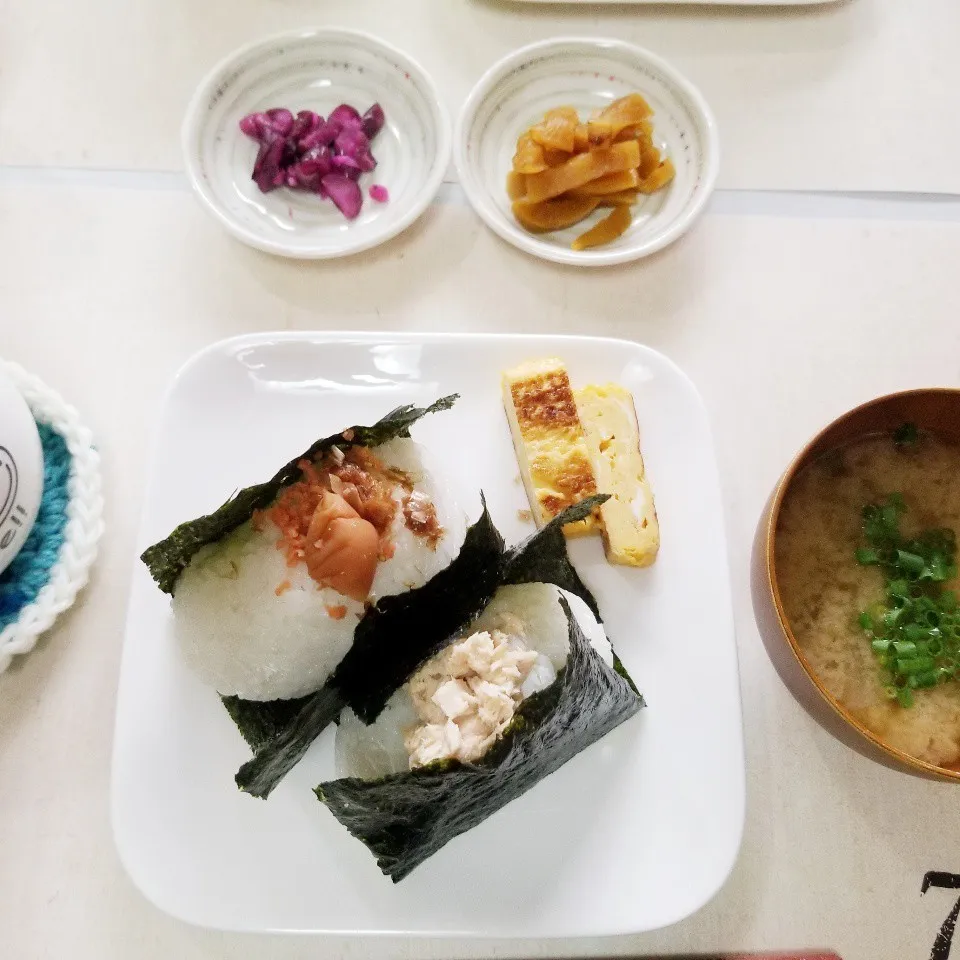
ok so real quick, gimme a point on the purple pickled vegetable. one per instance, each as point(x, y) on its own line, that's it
point(322, 136)
point(280, 121)
point(305, 123)
point(258, 163)
point(330, 130)
point(299, 130)
point(252, 125)
point(266, 170)
point(290, 153)
point(310, 153)
point(311, 141)
point(341, 160)
point(318, 160)
point(303, 177)
point(352, 141)
point(311, 169)
point(372, 121)
point(345, 193)
point(346, 115)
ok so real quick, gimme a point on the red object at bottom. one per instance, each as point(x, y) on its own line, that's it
point(778, 956)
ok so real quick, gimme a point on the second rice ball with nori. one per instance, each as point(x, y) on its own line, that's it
point(458, 703)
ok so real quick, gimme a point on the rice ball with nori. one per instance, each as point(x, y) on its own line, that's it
point(458, 703)
point(269, 611)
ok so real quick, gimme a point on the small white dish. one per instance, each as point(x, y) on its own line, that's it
point(586, 73)
point(316, 70)
point(21, 470)
point(638, 831)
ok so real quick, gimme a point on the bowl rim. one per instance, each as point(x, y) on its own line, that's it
point(675, 228)
point(195, 112)
point(773, 516)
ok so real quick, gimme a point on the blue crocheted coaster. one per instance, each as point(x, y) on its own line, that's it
point(30, 569)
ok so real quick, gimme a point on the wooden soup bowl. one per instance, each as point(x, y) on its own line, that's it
point(936, 410)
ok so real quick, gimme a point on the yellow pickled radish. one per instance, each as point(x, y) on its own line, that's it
point(614, 225)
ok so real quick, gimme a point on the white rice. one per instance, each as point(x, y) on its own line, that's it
point(241, 638)
point(414, 562)
point(530, 611)
point(544, 624)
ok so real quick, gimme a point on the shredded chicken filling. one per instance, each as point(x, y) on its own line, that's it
point(466, 696)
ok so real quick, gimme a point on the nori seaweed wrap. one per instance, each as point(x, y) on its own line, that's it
point(405, 815)
point(403, 632)
point(404, 818)
point(168, 558)
point(261, 720)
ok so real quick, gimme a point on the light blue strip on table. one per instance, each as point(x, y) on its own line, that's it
point(806, 204)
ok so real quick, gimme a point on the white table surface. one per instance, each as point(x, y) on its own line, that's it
point(784, 310)
point(852, 95)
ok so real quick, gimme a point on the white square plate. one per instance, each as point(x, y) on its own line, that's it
point(637, 832)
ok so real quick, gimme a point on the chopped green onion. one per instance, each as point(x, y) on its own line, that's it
point(915, 633)
point(906, 435)
point(899, 588)
point(911, 665)
point(913, 563)
point(891, 617)
point(905, 697)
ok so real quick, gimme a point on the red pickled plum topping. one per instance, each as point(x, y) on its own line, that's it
point(379, 193)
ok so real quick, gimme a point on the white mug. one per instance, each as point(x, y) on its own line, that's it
point(21, 471)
